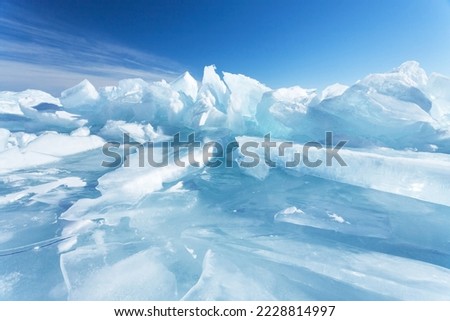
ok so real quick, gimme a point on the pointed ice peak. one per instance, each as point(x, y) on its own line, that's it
point(213, 91)
point(82, 94)
point(84, 86)
point(86, 83)
point(187, 84)
point(185, 76)
point(211, 78)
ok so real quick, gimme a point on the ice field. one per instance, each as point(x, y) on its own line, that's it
point(376, 229)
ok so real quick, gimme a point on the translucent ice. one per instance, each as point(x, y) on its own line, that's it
point(34, 110)
point(47, 148)
point(80, 95)
point(186, 84)
point(376, 229)
point(114, 281)
point(419, 175)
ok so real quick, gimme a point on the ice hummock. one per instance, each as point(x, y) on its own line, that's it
point(377, 229)
point(83, 94)
point(186, 84)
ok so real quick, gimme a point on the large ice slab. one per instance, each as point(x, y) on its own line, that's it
point(149, 280)
point(47, 148)
point(418, 175)
point(132, 183)
point(13, 102)
point(283, 111)
point(35, 110)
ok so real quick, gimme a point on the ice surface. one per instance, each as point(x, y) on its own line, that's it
point(419, 175)
point(130, 184)
point(223, 280)
point(41, 189)
point(47, 148)
point(62, 145)
point(376, 229)
point(7, 283)
point(149, 280)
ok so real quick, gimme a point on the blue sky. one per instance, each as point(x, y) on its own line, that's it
point(52, 45)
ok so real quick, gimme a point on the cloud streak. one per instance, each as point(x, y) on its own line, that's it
point(32, 54)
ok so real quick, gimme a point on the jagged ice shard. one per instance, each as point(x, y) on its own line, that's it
point(375, 229)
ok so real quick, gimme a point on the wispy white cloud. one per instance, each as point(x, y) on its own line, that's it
point(18, 76)
point(33, 54)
